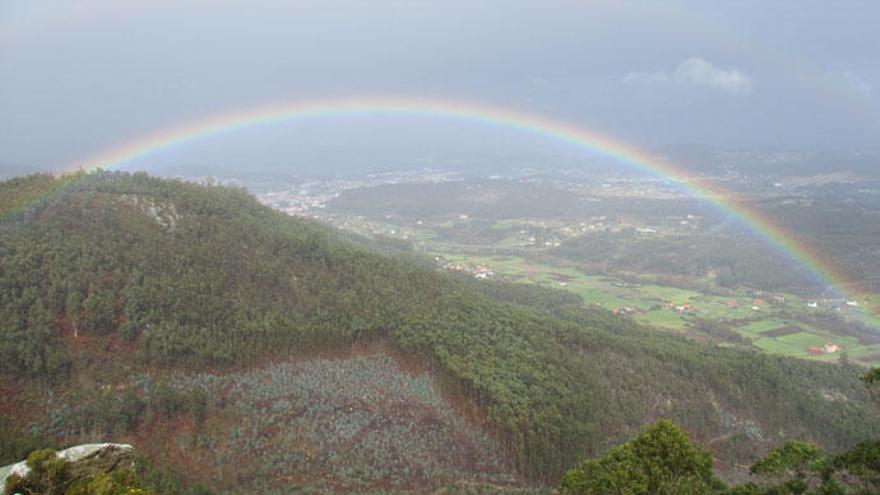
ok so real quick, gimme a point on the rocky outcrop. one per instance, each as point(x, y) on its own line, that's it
point(84, 462)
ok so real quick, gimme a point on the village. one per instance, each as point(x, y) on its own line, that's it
point(307, 196)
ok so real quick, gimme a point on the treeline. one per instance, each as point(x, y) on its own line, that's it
point(531, 295)
point(187, 275)
point(729, 259)
point(16, 444)
point(843, 224)
point(662, 460)
point(844, 230)
point(110, 413)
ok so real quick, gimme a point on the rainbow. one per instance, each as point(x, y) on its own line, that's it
point(791, 245)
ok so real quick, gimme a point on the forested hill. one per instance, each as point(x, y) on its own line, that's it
point(123, 272)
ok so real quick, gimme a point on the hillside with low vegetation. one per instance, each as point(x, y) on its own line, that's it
point(164, 312)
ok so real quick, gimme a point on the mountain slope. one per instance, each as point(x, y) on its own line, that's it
point(105, 277)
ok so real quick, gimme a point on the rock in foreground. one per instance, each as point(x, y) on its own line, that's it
point(71, 470)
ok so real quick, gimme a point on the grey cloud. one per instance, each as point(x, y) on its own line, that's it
point(84, 75)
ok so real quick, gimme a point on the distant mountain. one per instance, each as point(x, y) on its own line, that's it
point(247, 349)
point(781, 163)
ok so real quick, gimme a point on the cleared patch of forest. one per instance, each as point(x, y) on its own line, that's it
point(354, 424)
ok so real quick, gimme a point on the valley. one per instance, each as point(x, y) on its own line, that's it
point(592, 237)
point(439, 247)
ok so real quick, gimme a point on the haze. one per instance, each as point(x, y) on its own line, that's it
point(82, 76)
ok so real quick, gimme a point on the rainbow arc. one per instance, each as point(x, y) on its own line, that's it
point(792, 246)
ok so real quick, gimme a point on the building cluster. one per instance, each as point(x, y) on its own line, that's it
point(829, 348)
point(685, 308)
point(299, 197)
point(481, 271)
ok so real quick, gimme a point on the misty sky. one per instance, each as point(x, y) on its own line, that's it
point(80, 76)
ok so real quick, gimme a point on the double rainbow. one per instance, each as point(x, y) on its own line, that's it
point(784, 241)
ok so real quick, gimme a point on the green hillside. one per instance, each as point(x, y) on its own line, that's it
point(108, 278)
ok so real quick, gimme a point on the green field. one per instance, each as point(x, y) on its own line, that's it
point(749, 314)
point(655, 305)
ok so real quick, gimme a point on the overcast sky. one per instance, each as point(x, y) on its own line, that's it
point(81, 76)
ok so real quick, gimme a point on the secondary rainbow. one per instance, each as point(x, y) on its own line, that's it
point(786, 242)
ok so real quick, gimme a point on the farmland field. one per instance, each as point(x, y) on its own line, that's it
point(655, 304)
